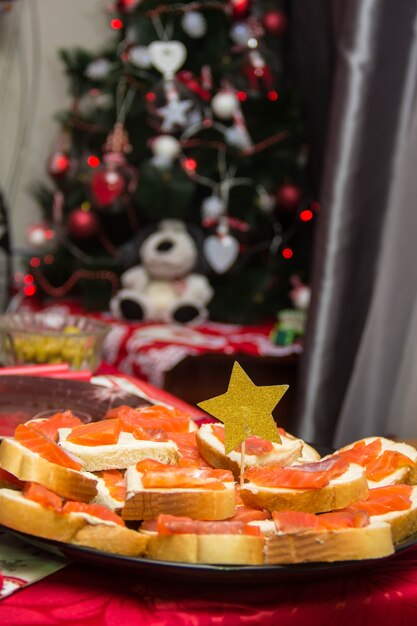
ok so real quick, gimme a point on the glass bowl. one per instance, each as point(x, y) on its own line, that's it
point(50, 337)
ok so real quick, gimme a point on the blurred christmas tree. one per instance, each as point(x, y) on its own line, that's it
point(191, 115)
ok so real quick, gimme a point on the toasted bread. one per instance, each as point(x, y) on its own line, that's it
point(24, 515)
point(197, 503)
point(30, 466)
point(125, 452)
point(288, 451)
point(338, 493)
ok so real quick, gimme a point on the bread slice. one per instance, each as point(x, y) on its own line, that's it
point(347, 544)
point(125, 452)
point(288, 451)
point(30, 466)
point(340, 492)
point(403, 474)
point(204, 504)
point(24, 515)
point(210, 549)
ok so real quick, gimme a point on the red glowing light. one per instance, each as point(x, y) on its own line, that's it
point(306, 215)
point(34, 262)
point(241, 95)
point(150, 96)
point(116, 24)
point(315, 206)
point(48, 259)
point(190, 164)
point(93, 160)
point(49, 233)
point(287, 253)
point(273, 95)
point(28, 279)
point(29, 290)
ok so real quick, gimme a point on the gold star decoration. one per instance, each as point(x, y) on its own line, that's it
point(245, 409)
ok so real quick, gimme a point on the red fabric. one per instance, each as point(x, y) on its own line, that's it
point(385, 594)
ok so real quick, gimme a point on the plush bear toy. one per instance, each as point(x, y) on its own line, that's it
point(163, 288)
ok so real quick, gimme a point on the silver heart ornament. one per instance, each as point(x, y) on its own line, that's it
point(167, 56)
point(221, 252)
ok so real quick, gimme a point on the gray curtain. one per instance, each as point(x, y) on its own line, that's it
point(363, 312)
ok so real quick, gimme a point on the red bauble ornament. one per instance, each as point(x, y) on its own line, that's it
point(58, 165)
point(240, 9)
point(82, 224)
point(288, 197)
point(275, 22)
point(108, 183)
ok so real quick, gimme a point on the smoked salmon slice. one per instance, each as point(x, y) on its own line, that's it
point(172, 525)
point(386, 464)
point(174, 477)
point(153, 417)
point(97, 510)
point(47, 449)
point(115, 483)
point(246, 514)
point(253, 444)
point(187, 448)
point(297, 521)
point(105, 432)
point(313, 475)
point(49, 426)
point(383, 500)
point(42, 495)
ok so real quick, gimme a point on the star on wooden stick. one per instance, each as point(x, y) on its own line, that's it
point(245, 409)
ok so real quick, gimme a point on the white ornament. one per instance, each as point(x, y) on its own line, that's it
point(139, 56)
point(194, 24)
point(167, 56)
point(266, 202)
point(98, 69)
point(165, 150)
point(213, 207)
point(240, 34)
point(221, 252)
point(174, 114)
point(238, 137)
point(224, 105)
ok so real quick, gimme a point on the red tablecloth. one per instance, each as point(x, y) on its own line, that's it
point(149, 350)
point(385, 594)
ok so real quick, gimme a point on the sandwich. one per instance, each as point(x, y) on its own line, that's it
point(201, 493)
point(258, 452)
point(172, 538)
point(335, 536)
point(313, 487)
point(39, 511)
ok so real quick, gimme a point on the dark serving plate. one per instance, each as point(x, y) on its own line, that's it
point(22, 397)
point(210, 574)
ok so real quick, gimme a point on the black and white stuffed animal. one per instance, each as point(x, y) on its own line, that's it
point(163, 287)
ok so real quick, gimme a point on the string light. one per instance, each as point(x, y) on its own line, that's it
point(150, 96)
point(29, 290)
point(28, 279)
point(306, 215)
point(315, 206)
point(93, 160)
point(241, 95)
point(35, 261)
point(287, 253)
point(190, 164)
point(116, 23)
point(273, 96)
point(48, 259)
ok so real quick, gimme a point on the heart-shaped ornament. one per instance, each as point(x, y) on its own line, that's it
point(221, 252)
point(167, 56)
